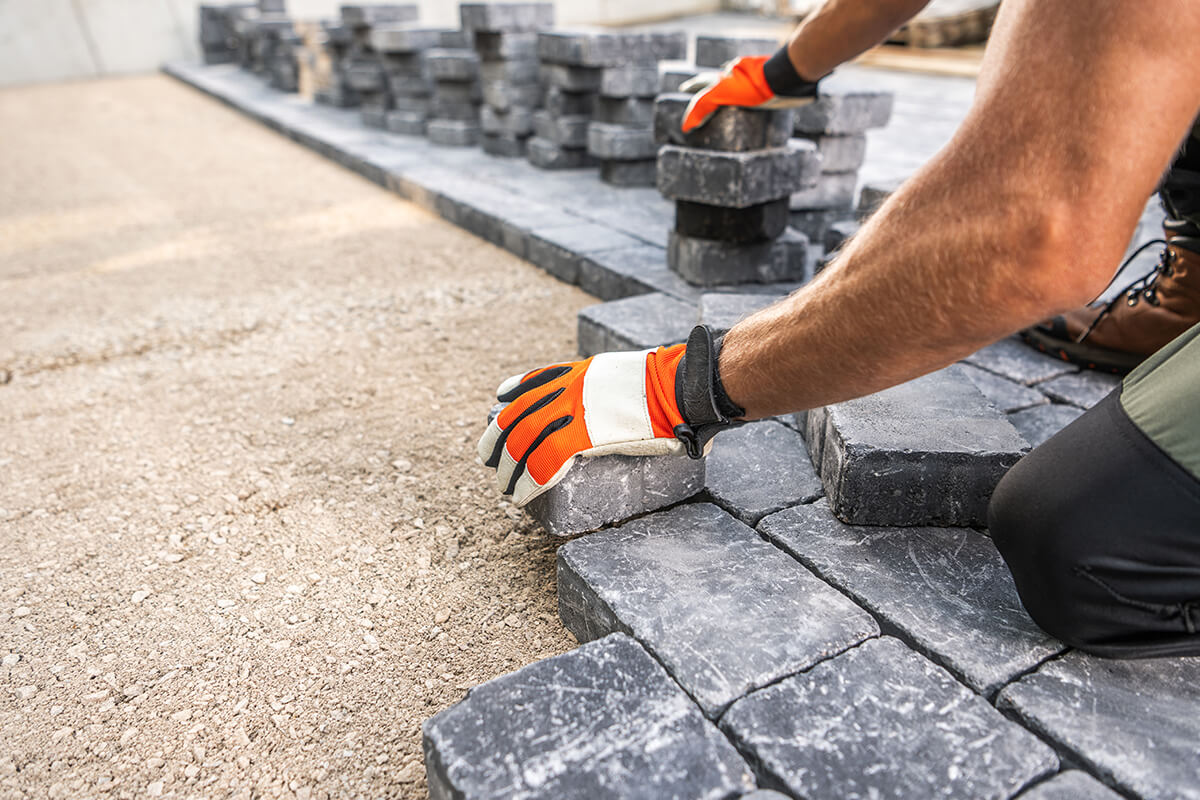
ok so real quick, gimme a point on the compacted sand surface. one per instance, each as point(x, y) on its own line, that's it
point(245, 548)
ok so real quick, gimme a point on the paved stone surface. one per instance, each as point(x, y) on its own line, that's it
point(842, 113)
point(506, 17)
point(453, 132)
point(409, 123)
point(558, 249)
point(844, 153)
point(760, 468)
point(1004, 394)
point(504, 145)
point(614, 274)
point(1137, 723)
point(927, 452)
point(1019, 362)
point(634, 323)
point(629, 173)
point(736, 130)
point(721, 609)
point(1071, 785)
point(832, 190)
point(736, 180)
point(714, 51)
point(945, 590)
point(721, 311)
point(545, 154)
point(1084, 388)
point(709, 262)
point(604, 720)
point(1039, 423)
point(610, 489)
point(882, 721)
point(754, 223)
point(619, 142)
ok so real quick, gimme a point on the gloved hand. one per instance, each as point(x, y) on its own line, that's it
point(643, 403)
point(748, 82)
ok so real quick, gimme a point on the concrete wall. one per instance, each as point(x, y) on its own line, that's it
point(52, 40)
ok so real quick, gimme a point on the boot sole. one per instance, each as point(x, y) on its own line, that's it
point(1086, 356)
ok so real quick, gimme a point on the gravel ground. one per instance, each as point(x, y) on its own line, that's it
point(245, 548)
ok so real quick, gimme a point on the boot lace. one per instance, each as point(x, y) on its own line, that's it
point(1143, 288)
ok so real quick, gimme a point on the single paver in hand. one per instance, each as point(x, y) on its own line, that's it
point(730, 129)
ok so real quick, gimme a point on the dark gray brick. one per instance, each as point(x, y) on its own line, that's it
point(504, 146)
point(874, 194)
point(1136, 723)
point(600, 48)
point(634, 323)
point(708, 262)
point(714, 51)
point(754, 223)
point(364, 78)
point(629, 80)
point(602, 720)
point(411, 123)
point(1004, 394)
point(844, 113)
point(565, 104)
point(453, 133)
point(629, 173)
point(503, 96)
point(1071, 785)
point(1084, 388)
point(730, 129)
point(721, 609)
point(494, 46)
point(416, 105)
point(515, 122)
point(443, 106)
point(946, 590)
point(815, 222)
point(760, 468)
point(832, 190)
point(611, 489)
point(404, 38)
point(558, 249)
point(410, 65)
point(506, 17)
point(457, 39)
point(545, 154)
point(881, 721)
point(926, 452)
point(357, 16)
point(632, 111)
point(571, 79)
point(735, 180)
point(518, 71)
point(836, 233)
point(613, 274)
point(446, 64)
point(840, 153)
point(1017, 361)
point(671, 77)
point(405, 86)
point(620, 143)
point(564, 131)
point(374, 117)
point(1039, 423)
point(721, 311)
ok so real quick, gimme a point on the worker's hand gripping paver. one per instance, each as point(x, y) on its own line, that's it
point(743, 83)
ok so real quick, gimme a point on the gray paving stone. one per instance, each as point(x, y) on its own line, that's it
point(1004, 394)
point(514, 122)
point(453, 133)
point(563, 131)
point(836, 234)
point(415, 104)
point(404, 38)
point(1084, 388)
point(604, 720)
point(634, 323)
point(610, 489)
point(709, 262)
point(632, 111)
point(946, 590)
point(1135, 723)
point(606, 48)
point(357, 16)
point(495, 46)
point(504, 96)
point(446, 108)
point(545, 154)
point(620, 143)
point(571, 79)
point(815, 222)
point(672, 76)
point(518, 71)
point(1071, 785)
point(721, 609)
point(364, 78)
point(731, 129)
point(714, 51)
point(614, 274)
point(566, 104)
point(457, 39)
point(1039, 423)
point(760, 468)
point(629, 80)
point(404, 86)
point(410, 123)
point(630, 173)
point(754, 223)
point(506, 17)
point(558, 249)
point(502, 145)
point(764, 794)
point(926, 452)
point(840, 153)
point(1019, 362)
point(832, 190)
point(735, 180)
point(874, 194)
point(844, 113)
point(721, 311)
point(882, 721)
point(374, 117)
point(447, 64)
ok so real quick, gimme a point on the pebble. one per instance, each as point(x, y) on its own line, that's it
point(441, 616)
point(127, 736)
point(21, 611)
point(191, 770)
point(365, 623)
point(402, 465)
point(139, 595)
point(154, 789)
point(155, 763)
point(132, 690)
point(173, 558)
point(288, 421)
point(26, 692)
point(225, 603)
point(259, 577)
point(96, 697)
point(10, 660)
point(183, 715)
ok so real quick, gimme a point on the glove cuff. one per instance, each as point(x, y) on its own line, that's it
point(784, 80)
point(703, 403)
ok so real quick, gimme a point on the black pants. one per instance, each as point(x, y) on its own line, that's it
point(1101, 530)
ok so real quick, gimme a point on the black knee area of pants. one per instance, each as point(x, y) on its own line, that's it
point(1101, 531)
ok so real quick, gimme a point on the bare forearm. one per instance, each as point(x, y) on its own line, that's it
point(843, 29)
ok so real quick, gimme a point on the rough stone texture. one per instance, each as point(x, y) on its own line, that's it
point(456, 106)
point(1019, 362)
point(1136, 723)
point(736, 180)
point(571, 79)
point(1006, 395)
point(840, 153)
point(506, 17)
point(613, 274)
point(836, 234)
point(558, 249)
point(815, 222)
point(881, 721)
point(358, 16)
point(764, 794)
point(364, 78)
point(545, 154)
point(504, 96)
point(374, 117)
point(629, 173)
point(604, 720)
point(760, 468)
point(714, 51)
point(565, 104)
point(453, 133)
point(843, 113)
point(722, 311)
point(875, 194)
point(1084, 388)
point(635, 112)
point(447, 64)
point(569, 131)
point(416, 104)
point(927, 452)
point(1070, 785)
point(609, 489)
point(634, 323)
point(731, 129)
point(497, 46)
point(708, 262)
point(832, 190)
point(512, 70)
point(404, 38)
point(722, 610)
point(629, 80)
point(515, 122)
point(671, 77)
point(754, 223)
point(1039, 423)
point(946, 590)
point(613, 142)
point(411, 123)
point(599, 48)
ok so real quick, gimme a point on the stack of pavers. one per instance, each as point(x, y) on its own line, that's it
point(282, 55)
point(333, 83)
point(264, 33)
point(454, 110)
point(402, 50)
point(218, 42)
point(363, 66)
point(560, 138)
point(506, 42)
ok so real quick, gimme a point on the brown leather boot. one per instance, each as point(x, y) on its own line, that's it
point(1118, 335)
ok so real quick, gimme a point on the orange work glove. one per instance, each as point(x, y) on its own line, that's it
point(747, 82)
point(643, 403)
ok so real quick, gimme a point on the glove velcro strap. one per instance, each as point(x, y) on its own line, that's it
point(702, 400)
point(784, 80)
